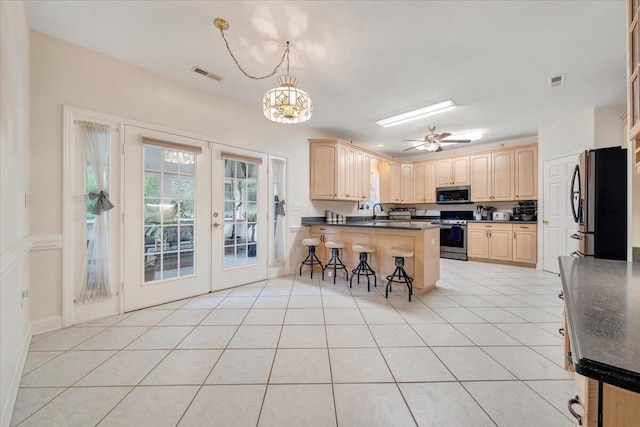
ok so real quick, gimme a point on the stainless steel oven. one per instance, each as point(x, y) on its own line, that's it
point(453, 241)
point(453, 234)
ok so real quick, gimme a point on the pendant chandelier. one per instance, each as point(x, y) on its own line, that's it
point(284, 103)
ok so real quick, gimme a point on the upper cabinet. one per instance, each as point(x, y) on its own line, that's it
point(338, 171)
point(342, 171)
point(323, 171)
point(505, 175)
point(526, 173)
point(452, 171)
point(424, 184)
point(633, 84)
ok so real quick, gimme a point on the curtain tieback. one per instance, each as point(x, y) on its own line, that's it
point(281, 210)
point(103, 204)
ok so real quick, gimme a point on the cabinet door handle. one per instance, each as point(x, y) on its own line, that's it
point(576, 236)
point(561, 331)
point(569, 358)
point(561, 295)
point(570, 404)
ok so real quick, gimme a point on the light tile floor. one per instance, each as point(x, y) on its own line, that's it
point(481, 350)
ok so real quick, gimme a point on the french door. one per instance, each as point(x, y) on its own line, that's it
point(195, 217)
point(167, 207)
point(239, 238)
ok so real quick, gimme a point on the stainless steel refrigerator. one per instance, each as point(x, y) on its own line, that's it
point(599, 203)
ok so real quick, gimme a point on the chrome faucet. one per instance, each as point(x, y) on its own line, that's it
point(374, 209)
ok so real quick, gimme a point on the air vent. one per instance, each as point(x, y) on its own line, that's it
point(557, 81)
point(206, 73)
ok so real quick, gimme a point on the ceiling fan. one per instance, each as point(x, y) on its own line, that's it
point(431, 141)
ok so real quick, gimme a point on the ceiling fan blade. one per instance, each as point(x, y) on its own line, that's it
point(456, 141)
point(442, 136)
point(414, 140)
point(412, 147)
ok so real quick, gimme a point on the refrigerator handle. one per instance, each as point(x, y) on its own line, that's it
point(572, 196)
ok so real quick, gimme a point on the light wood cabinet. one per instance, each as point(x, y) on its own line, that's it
point(502, 172)
point(477, 242)
point(452, 171)
point(525, 243)
point(338, 171)
point(492, 176)
point(502, 242)
point(396, 182)
point(323, 171)
point(424, 188)
point(365, 176)
point(526, 173)
point(633, 66)
point(481, 177)
point(406, 183)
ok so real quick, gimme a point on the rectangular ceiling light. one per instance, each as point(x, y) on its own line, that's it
point(429, 110)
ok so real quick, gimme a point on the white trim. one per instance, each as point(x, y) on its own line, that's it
point(68, 121)
point(14, 385)
point(295, 228)
point(47, 324)
point(45, 242)
point(96, 310)
point(13, 254)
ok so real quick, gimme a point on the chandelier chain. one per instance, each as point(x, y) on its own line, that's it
point(285, 55)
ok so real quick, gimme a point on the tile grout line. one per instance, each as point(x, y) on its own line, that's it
point(275, 353)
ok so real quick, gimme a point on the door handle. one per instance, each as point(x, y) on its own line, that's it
point(545, 222)
point(570, 404)
point(216, 224)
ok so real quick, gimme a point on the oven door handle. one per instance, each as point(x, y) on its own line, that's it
point(445, 227)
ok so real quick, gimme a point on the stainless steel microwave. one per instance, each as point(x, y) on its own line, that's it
point(449, 195)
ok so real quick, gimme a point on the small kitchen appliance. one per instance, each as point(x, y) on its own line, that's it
point(500, 216)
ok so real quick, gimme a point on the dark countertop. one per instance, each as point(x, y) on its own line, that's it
point(602, 303)
point(385, 223)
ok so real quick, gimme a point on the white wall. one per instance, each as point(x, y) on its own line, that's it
point(14, 225)
point(66, 74)
point(608, 128)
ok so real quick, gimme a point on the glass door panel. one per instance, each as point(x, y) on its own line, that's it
point(167, 211)
point(239, 185)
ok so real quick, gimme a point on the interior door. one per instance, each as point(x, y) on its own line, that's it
point(239, 217)
point(558, 223)
point(166, 217)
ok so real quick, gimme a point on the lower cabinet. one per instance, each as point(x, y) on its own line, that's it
point(502, 242)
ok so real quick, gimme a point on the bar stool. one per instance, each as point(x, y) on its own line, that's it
point(312, 258)
point(335, 260)
point(400, 275)
point(363, 268)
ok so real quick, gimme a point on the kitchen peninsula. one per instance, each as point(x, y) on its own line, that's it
point(420, 237)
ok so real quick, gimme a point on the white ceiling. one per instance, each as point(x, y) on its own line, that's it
point(361, 61)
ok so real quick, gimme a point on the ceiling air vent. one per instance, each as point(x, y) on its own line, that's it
point(206, 73)
point(557, 81)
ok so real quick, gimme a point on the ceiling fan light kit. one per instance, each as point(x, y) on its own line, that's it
point(432, 141)
point(419, 113)
point(284, 103)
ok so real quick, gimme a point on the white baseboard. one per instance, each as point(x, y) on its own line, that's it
point(47, 324)
point(12, 393)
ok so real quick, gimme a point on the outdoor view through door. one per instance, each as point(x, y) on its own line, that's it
point(169, 213)
point(240, 213)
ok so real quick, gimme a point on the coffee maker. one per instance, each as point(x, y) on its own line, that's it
point(527, 210)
